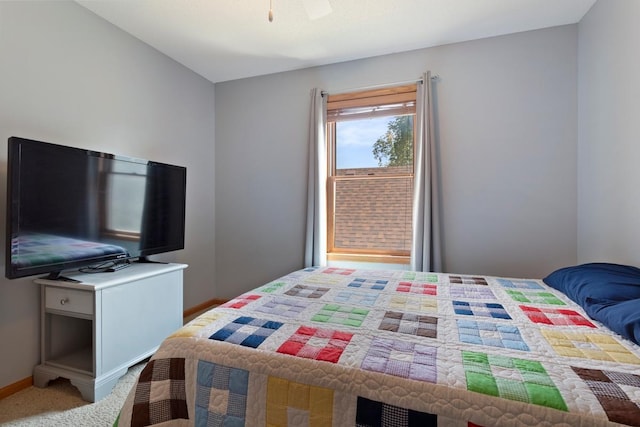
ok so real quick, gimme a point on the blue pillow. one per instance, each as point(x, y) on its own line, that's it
point(621, 317)
point(593, 283)
point(609, 293)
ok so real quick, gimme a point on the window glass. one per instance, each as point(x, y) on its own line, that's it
point(371, 161)
point(373, 215)
point(376, 145)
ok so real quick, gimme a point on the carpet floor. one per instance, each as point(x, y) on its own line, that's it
point(60, 404)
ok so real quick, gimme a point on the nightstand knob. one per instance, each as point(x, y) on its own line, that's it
point(63, 301)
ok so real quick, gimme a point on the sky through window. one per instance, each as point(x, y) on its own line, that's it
point(355, 139)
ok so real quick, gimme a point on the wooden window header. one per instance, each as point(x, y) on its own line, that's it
point(395, 101)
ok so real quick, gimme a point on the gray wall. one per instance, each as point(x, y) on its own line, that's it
point(609, 133)
point(69, 77)
point(507, 124)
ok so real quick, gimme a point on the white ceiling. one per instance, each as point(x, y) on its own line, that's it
point(231, 39)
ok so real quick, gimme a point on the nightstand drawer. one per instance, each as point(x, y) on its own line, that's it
point(71, 300)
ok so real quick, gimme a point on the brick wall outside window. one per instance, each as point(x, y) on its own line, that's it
point(373, 212)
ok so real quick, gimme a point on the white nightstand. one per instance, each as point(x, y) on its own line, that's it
point(93, 330)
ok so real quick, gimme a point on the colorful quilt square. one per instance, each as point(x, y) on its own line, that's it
point(193, 328)
point(316, 343)
point(417, 288)
point(410, 324)
point(341, 315)
point(401, 359)
point(221, 395)
point(467, 280)
point(589, 346)
point(270, 288)
point(304, 291)
point(377, 274)
point(557, 317)
point(325, 280)
point(373, 284)
point(247, 331)
point(240, 301)
point(612, 390)
point(283, 307)
point(511, 378)
point(414, 303)
point(481, 309)
point(340, 271)
point(158, 375)
point(420, 276)
point(534, 297)
point(293, 404)
point(476, 292)
point(491, 334)
point(357, 298)
point(370, 413)
point(519, 284)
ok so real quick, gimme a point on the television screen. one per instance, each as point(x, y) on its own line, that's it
point(69, 207)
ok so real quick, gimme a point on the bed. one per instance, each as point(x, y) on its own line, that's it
point(342, 347)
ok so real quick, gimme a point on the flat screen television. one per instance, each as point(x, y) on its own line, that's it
point(69, 208)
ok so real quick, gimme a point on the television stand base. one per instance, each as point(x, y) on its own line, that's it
point(55, 275)
point(118, 266)
point(145, 260)
point(91, 389)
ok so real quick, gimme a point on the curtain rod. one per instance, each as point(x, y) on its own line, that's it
point(380, 86)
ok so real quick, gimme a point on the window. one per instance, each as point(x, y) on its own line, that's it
point(370, 187)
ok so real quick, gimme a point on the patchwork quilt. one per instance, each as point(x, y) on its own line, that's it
point(341, 347)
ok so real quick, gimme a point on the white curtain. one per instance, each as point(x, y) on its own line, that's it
point(316, 240)
point(426, 247)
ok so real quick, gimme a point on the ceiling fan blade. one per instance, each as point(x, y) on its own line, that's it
point(316, 9)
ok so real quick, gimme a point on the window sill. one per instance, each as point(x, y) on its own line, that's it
point(384, 259)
